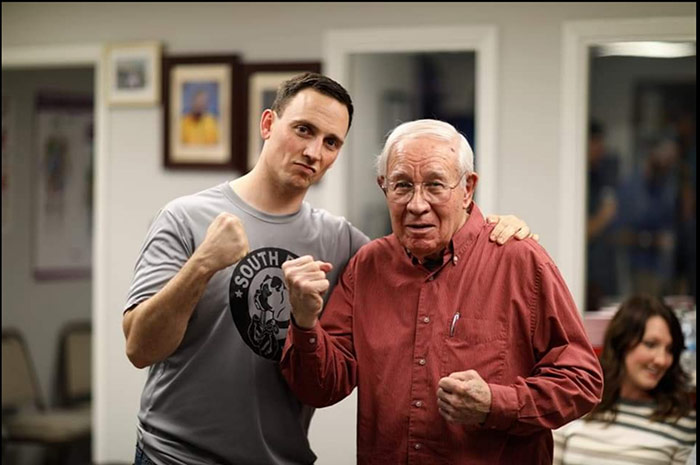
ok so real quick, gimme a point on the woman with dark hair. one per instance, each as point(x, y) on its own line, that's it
point(645, 416)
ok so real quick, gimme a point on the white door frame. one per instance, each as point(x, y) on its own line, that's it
point(578, 36)
point(332, 194)
point(69, 56)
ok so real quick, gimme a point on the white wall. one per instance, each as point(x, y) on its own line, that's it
point(136, 184)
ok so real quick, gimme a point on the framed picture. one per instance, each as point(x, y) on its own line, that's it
point(133, 73)
point(62, 219)
point(203, 108)
point(261, 83)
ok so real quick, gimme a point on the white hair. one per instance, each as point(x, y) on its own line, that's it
point(428, 128)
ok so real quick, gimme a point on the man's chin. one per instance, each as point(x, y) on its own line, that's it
point(300, 182)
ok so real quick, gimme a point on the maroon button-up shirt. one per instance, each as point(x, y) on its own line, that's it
point(388, 329)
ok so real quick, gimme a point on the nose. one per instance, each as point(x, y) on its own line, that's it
point(418, 205)
point(662, 358)
point(313, 149)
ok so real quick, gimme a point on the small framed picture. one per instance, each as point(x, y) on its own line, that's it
point(133, 73)
point(261, 83)
point(201, 100)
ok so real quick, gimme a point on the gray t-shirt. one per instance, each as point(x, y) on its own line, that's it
point(220, 398)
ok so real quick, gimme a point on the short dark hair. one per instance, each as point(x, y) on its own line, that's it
point(318, 82)
point(625, 331)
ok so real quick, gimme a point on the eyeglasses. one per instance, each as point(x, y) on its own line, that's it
point(434, 192)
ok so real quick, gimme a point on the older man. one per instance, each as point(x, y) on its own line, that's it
point(462, 351)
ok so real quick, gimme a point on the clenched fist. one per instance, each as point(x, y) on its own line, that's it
point(306, 281)
point(464, 397)
point(225, 243)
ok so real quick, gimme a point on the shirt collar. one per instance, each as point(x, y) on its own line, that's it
point(468, 233)
point(432, 264)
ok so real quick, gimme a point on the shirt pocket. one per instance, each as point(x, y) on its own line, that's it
point(476, 344)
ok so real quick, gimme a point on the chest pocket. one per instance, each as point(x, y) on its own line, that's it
point(476, 344)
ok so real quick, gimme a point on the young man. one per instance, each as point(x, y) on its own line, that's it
point(208, 311)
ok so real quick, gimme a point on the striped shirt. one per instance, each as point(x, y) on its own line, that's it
point(631, 439)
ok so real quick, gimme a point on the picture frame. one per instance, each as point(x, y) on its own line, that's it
point(63, 185)
point(133, 73)
point(261, 83)
point(202, 104)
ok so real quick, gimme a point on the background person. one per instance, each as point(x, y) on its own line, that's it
point(645, 415)
point(601, 249)
point(647, 210)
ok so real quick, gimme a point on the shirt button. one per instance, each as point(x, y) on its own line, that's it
point(455, 259)
point(312, 340)
point(417, 445)
point(421, 361)
point(426, 319)
point(431, 278)
point(419, 403)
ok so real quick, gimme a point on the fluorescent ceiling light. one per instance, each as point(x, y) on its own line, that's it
point(647, 49)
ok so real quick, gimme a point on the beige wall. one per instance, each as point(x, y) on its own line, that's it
point(135, 184)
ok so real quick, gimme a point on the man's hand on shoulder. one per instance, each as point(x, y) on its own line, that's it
point(508, 226)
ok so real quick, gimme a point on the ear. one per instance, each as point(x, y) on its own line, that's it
point(266, 121)
point(472, 180)
point(380, 182)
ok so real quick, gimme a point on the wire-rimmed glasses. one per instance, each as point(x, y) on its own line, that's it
point(434, 192)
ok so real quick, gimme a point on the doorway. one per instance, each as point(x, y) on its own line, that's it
point(392, 88)
point(334, 194)
point(47, 230)
point(578, 38)
point(640, 234)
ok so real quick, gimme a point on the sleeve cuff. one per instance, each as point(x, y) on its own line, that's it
point(504, 408)
point(306, 340)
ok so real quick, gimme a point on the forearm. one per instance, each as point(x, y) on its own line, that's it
point(318, 360)
point(566, 381)
point(546, 401)
point(154, 329)
point(319, 370)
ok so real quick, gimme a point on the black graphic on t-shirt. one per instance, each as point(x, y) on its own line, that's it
point(259, 301)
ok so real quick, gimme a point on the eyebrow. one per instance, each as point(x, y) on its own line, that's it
point(430, 175)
